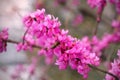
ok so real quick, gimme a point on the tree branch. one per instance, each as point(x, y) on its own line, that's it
point(116, 78)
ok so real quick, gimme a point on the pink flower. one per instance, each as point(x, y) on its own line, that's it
point(76, 54)
point(24, 47)
point(116, 37)
point(28, 21)
point(3, 38)
point(96, 3)
point(38, 16)
point(116, 24)
point(100, 44)
point(41, 30)
point(117, 5)
point(83, 69)
point(44, 31)
point(99, 4)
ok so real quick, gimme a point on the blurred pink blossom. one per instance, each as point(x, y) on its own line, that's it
point(76, 2)
point(99, 4)
point(77, 20)
point(117, 5)
point(3, 38)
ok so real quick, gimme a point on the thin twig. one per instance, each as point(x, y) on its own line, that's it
point(15, 42)
point(116, 78)
point(11, 41)
point(25, 35)
point(35, 46)
point(96, 28)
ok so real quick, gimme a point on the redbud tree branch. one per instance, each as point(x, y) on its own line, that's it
point(15, 42)
point(103, 71)
point(35, 46)
point(55, 45)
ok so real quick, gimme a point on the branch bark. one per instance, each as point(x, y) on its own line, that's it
point(116, 78)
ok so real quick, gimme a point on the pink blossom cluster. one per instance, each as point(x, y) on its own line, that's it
point(96, 3)
point(115, 68)
point(100, 44)
point(3, 38)
point(44, 31)
point(77, 54)
point(116, 33)
point(99, 4)
point(97, 45)
point(117, 5)
point(41, 30)
point(116, 24)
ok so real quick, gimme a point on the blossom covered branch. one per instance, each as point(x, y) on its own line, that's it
point(43, 32)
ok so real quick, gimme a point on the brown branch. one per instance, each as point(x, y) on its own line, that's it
point(96, 29)
point(15, 42)
point(35, 46)
point(11, 41)
point(116, 78)
point(55, 45)
point(25, 35)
